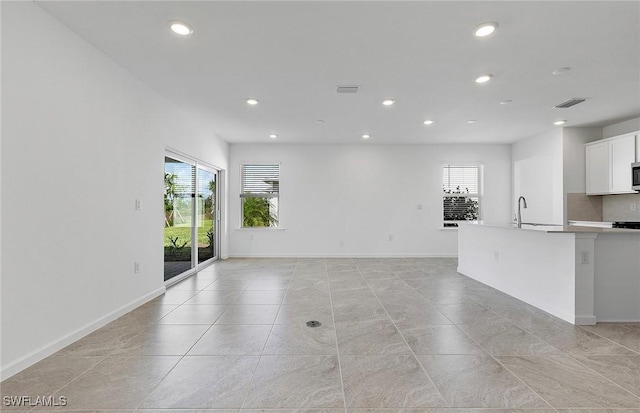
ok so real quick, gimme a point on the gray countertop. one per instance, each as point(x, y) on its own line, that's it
point(566, 229)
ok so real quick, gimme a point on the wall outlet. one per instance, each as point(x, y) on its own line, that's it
point(136, 267)
point(390, 237)
point(584, 257)
point(138, 205)
point(250, 237)
point(496, 256)
point(419, 206)
point(634, 207)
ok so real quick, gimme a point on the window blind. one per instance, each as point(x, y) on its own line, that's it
point(260, 181)
point(460, 179)
point(183, 175)
point(461, 197)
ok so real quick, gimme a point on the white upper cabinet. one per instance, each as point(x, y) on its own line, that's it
point(598, 169)
point(608, 164)
point(623, 154)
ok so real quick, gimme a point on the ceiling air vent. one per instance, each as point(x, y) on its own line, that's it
point(347, 89)
point(569, 103)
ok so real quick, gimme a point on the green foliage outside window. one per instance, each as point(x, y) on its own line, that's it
point(258, 212)
point(460, 208)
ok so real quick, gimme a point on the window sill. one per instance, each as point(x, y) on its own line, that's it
point(260, 229)
point(443, 228)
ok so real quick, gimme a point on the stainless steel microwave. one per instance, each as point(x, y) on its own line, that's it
point(635, 176)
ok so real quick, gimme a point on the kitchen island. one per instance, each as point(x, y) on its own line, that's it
point(579, 274)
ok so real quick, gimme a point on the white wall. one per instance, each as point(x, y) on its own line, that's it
point(348, 199)
point(533, 266)
point(621, 128)
point(574, 161)
point(548, 166)
point(538, 176)
point(82, 139)
point(573, 154)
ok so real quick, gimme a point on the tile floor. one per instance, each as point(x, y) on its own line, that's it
point(397, 335)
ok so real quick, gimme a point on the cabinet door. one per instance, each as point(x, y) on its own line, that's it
point(623, 154)
point(598, 181)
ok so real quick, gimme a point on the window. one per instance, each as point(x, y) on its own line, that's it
point(461, 194)
point(259, 195)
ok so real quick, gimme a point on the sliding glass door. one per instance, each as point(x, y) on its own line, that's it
point(179, 187)
point(190, 215)
point(206, 215)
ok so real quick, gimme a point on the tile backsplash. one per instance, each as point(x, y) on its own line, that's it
point(581, 207)
point(619, 207)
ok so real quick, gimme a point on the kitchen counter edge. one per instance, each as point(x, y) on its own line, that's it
point(557, 229)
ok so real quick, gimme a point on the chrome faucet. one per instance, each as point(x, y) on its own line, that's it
point(519, 219)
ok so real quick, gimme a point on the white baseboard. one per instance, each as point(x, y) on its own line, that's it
point(618, 320)
point(47, 350)
point(342, 255)
point(585, 320)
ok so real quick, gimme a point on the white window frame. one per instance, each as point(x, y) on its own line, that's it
point(448, 224)
point(198, 164)
point(260, 195)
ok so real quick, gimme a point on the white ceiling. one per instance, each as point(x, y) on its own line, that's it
point(291, 56)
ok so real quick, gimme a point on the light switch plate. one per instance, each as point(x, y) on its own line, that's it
point(584, 257)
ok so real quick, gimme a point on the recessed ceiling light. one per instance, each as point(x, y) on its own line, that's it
point(366, 136)
point(561, 70)
point(252, 101)
point(471, 121)
point(559, 122)
point(429, 122)
point(273, 136)
point(506, 102)
point(181, 28)
point(483, 78)
point(388, 102)
point(485, 29)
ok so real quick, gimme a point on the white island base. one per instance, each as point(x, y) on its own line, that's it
point(581, 275)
